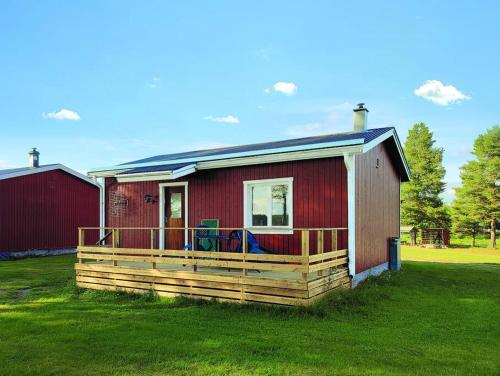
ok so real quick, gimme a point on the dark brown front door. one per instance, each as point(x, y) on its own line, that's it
point(174, 217)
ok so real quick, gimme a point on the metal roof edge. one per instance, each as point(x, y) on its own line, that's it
point(289, 149)
point(390, 133)
point(52, 167)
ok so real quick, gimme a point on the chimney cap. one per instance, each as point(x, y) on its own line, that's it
point(361, 107)
point(34, 155)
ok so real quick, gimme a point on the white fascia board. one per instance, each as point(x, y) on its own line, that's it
point(106, 174)
point(281, 157)
point(156, 175)
point(402, 155)
point(289, 149)
point(391, 133)
point(37, 170)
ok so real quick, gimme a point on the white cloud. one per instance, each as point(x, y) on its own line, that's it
point(155, 83)
point(223, 119)
point(287, 88)
point(62, 114)
point(310, 129)
point(436, 92)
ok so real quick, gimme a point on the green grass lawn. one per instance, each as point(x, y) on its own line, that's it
point(451, 255)
point(429, 319)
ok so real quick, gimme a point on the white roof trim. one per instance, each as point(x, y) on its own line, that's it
point(37, 170)
point(156, 175)
point(253, 153)
point(391, 133)
point(280, 157)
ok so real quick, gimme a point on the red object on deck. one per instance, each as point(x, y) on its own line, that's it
point(43, 210)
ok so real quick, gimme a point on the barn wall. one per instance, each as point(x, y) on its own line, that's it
point(319, 199)
point(377, 207)
point(44, 210)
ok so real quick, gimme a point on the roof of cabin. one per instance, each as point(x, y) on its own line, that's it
point(363, 137)
point(187, 162)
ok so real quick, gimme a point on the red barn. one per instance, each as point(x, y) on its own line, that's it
point(300, 199)
point(41, 208)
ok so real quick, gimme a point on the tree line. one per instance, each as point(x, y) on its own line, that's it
point(476, 205)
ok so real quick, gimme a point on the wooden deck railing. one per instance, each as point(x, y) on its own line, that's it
point(286, 276)
point(304, 263)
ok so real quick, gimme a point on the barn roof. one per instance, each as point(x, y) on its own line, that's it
point(243, 154)
point(11, 173)
point(406, 229)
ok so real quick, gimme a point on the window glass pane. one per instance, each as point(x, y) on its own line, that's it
point(280, 205)
point(176, 205)
point(260, 203)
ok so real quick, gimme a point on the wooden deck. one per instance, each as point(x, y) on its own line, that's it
point(239, 277)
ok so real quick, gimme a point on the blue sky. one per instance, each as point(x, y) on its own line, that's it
point(145, 78)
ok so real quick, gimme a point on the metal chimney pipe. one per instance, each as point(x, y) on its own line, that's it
point(34, 158)
point(360, 118)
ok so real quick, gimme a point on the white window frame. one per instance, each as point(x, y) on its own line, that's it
point(247, 207)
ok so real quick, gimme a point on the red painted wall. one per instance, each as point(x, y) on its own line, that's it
point(377, 207)
point(44, 210)
point(319, 199)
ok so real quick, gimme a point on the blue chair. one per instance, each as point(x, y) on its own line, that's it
point(253, 245)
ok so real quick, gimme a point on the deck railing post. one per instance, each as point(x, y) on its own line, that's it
point(305, 253)
point(152, 235)
point(114, 242)
point(81, 237)
point(192, 240)
point(334, 243)
point(193, 234)
point(152, 238)
point(244, 245)
point(81, 241)
point(320, 247)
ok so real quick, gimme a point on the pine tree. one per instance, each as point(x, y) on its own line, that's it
point(421, 204)
point(480, 191)
point(465, 217)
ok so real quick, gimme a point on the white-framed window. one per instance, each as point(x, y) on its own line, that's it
point(268, 205)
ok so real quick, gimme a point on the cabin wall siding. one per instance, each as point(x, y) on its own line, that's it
point(319, 199)
point(377, 207)
point(44, 210)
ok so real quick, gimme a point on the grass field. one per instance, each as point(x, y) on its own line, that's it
point(456, 241)
point(451, 255)
point(431, 318)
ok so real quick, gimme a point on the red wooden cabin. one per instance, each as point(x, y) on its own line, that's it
point(41, 208)
point(349, 182)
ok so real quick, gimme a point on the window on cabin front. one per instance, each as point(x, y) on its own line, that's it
point(268, 205)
